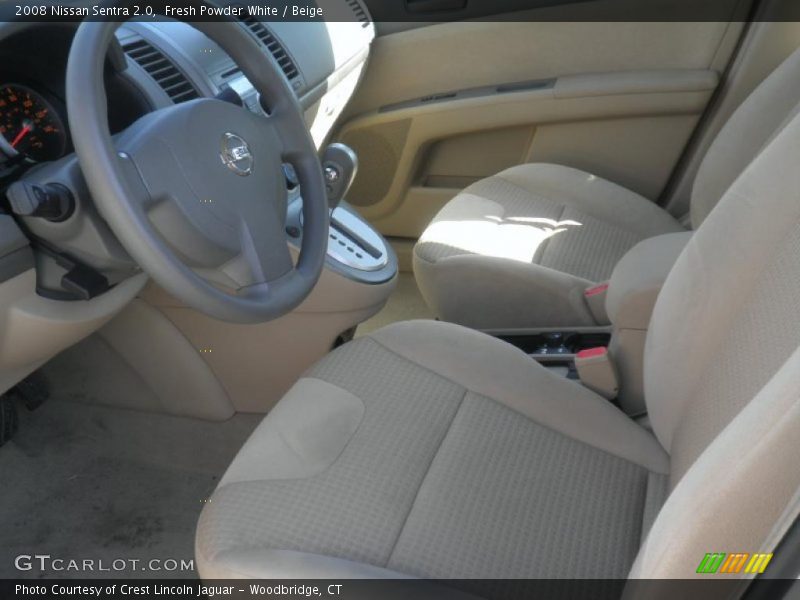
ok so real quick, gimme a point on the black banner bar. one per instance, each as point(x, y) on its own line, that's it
point(590, 589)
point(427, 11)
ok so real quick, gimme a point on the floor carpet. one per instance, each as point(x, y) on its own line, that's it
point(88, 482)
point(405, 304)
point(85, 479)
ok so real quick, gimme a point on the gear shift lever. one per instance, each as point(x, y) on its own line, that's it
point(339, 164)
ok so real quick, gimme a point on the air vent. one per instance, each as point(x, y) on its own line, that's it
point(273, 45)
point(359, 12)
point(162, 70)
point(234, 72)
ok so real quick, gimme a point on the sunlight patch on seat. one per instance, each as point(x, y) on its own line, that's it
point(515, 238)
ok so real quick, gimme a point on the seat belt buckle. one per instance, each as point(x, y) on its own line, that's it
point(597, 371)
point(596, 301)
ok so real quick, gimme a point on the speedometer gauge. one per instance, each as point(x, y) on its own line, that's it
point(30, 125)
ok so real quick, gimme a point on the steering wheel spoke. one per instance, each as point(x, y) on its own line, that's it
point(264, 248)
point(140, 194)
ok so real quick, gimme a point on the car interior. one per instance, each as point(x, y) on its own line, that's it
point(448, 291)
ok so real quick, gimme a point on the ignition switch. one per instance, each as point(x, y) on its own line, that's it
point(53, 201)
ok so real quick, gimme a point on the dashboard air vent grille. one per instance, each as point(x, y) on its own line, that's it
point(359, 12)
point(162, 70)
point(233, 72)
point(273, 45)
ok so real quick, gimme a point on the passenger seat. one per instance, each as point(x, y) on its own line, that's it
point(521, 248)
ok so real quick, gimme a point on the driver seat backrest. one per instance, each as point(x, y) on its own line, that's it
point(722, 371)
point(751, 127)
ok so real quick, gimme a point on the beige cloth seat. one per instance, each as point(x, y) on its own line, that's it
point(434, 451)
point(520, 248)
point(430, 450)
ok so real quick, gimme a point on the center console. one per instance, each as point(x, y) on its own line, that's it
point(610, 360)
point(355, 249)
point(558, 349)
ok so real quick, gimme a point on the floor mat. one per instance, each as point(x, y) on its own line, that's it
point(86, 482)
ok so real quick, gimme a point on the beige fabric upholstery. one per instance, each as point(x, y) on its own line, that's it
point(637, 279)
point(749, 129)
point(632, 293)
point(520, 248)
point(469, 460)
point(431, 425)
point(722, 369)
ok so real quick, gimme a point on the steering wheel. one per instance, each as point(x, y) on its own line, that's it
point(196, 192)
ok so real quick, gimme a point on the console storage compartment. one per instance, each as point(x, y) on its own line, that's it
point(556, 347)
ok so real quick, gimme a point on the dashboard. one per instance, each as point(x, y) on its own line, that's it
point(166, 62)
point(33, 116)
point(154, 64)
point(60, 280)
point(30, 125)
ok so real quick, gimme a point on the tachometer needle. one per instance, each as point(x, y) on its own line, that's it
point(25, 131)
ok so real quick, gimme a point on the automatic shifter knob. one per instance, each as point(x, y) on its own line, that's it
point(339, 165)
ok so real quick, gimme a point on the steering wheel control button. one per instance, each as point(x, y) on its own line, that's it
point(53, 202)
point(236, 155)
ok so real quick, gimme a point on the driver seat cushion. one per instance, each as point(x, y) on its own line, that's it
point(434, 451)
point(520, 248)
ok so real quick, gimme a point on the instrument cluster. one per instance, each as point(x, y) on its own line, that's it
point(32, 128)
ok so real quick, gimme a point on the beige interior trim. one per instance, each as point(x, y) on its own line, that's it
point(235, 368)
point(404, 248)
point(609, 120)
point(635, 82)
point(147, 341)
point(767, 44)
point(35, 328)
point(468, 54)
point(323, 114)
point(621, 85)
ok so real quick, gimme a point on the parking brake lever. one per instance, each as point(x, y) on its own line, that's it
point(340, 165)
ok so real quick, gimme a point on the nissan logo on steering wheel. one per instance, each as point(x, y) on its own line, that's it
point(235, 154)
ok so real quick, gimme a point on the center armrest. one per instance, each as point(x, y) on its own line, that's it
point(639, 277)
point(632, 293)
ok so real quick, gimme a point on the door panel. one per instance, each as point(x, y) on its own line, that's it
point(443, 105)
